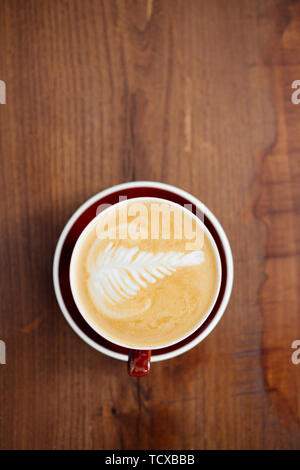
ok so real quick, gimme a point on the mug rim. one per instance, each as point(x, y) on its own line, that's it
point(208, 311)
point(177, 192)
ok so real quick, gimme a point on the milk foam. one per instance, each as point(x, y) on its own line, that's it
point(117, 274)
point(143, 291)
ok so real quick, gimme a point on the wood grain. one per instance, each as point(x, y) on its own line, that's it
point(194, 93)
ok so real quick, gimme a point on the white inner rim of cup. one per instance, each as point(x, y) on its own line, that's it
point(94, 222)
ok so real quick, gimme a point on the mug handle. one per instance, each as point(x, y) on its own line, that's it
point(138, 362)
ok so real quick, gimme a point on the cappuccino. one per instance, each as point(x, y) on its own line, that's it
point(145, 273)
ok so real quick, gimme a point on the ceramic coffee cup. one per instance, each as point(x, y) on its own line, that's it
point(138, 359)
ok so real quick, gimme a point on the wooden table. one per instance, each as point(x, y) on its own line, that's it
point(196, 93)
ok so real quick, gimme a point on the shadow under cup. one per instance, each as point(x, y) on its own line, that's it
point(138, 361)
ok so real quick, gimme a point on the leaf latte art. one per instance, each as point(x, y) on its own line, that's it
point(119, 273)
point(139, 284)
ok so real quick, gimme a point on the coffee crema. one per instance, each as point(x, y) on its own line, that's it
point(144, 278)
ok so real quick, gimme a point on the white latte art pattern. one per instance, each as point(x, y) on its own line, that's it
point(117, 274)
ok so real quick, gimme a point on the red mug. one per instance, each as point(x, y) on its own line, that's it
point(139, 360)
